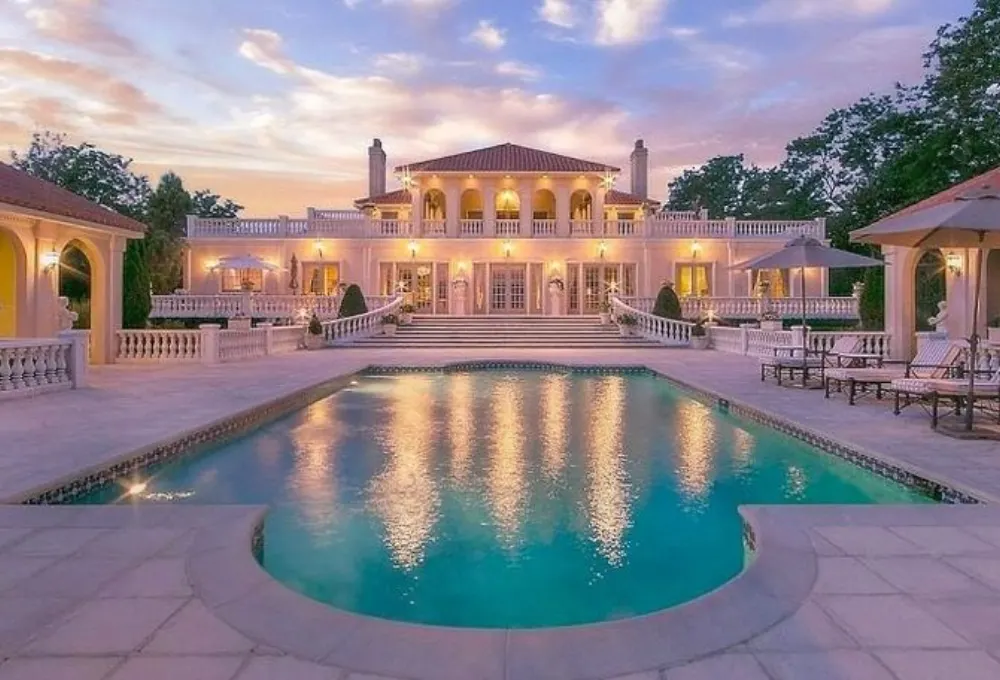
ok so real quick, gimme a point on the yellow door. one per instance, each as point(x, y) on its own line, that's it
point(8, 286)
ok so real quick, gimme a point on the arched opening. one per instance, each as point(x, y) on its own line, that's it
point(75, 276)
point(581, 205)
point(434, 205)
point(929, 288)
point(471, 205)
point(993, 288)
point(543, 205)
point(11, 284)
point(508, 205)
point(83, 279)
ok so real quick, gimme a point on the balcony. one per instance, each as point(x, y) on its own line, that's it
point(348, 224)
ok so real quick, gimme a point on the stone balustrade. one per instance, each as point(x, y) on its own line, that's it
point(238, 345)
point(148, 345)
point(656, 328)
point(30, 366)
point(747, 308)
point(252, 305)
point(752, 341)
point(339, 331)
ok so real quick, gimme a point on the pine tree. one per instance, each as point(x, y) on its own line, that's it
point(136, 302)
point(667, 305)
point(353, 302)
point(872, 303)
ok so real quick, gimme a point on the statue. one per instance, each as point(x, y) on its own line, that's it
point(65, 318)
point(939, 320)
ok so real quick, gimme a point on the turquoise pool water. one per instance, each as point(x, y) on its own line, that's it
point(509, 499)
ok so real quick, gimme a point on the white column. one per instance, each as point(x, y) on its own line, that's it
point(598, 216)
point(77, 360)
point(489, 208)
point(209, 342)
point(452, 208)
point(416, 209)
point(899, 300)
point(525, 195)
point(488, 289)
point(562, 193)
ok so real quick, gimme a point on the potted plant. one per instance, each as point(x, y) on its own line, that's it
point(406, 314)
point(389, 323)
point(314, 333)
point(993, 332)
point(769, 321)
point(699, 336)
point(627, 324)
point(605, 313)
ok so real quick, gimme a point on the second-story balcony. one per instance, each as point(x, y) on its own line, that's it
point(352, 224)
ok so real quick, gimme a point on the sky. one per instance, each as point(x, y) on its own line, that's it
point(274, 102)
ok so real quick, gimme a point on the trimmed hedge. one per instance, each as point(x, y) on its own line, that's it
point(668, 305)
point(353, 302)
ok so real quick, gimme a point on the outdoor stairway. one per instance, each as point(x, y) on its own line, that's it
point(505, 331)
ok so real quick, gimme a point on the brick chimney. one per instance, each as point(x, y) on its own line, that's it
point(376, 168)
point(640, 170)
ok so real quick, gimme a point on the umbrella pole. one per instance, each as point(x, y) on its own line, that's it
point(974, 337)
point(802, 294)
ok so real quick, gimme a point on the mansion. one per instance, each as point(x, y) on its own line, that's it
point(501, 230)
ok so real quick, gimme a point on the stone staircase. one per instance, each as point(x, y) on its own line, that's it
point(505, 331)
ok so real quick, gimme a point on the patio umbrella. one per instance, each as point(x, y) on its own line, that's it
point(244, 262)
point(293, 277)
point(805, 252)
point(971, 220)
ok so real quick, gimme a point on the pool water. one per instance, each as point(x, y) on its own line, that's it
point(509, 499)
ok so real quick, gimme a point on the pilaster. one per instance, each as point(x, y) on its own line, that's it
point(524, 195)
point(562, 193)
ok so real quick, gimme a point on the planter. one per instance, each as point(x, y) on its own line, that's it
point(605, 318)
point(993, 335)
point(772, 325)
point(626, 331)
point(389, 329)
point(699, 342)
point(314, 341)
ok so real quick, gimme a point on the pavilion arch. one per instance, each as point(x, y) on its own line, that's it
point(507, 204)
point(543, 205)
point(434, 205)
point(471, 205)
point(101, 304)
point(929, 286)
point(13, 285)
point(581, 205)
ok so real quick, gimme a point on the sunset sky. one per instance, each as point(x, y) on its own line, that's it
point(274, 102)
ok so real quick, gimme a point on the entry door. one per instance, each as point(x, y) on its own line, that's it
point(417, 284)
point(507, 289)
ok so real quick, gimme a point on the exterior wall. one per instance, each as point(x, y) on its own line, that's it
point(37, 286)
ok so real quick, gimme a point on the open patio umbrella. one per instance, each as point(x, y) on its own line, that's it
point(805, 252)
point(293, 277)
point(971, 220)
point(244, 262)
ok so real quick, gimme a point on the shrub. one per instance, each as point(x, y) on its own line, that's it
point(995, 323)
point(136, 302)
point(698, 330)
point(390, 320)
point(353, 302)
point(872, 302)
point(668, 305)
point(628, 320)
point(315, 327)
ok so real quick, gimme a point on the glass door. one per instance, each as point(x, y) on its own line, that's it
point(507, 289)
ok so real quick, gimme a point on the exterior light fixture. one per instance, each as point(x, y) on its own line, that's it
point(407, 179)
point(319, 248)
point(695, 249)
point(507, 248)
point(414, 247)
point(954, 263)
point(608, 181)
point(50, 260)
point(602, 249)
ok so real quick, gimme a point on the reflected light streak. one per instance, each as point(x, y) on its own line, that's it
point(795, 482)
point(461, 425)
point(404, 495)
point(507, 487)
point(555, 437)
point(609, 490)
point(743, 445)
point(313, 480)
point(695, 440)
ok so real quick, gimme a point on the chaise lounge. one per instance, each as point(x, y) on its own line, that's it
point(935, 359)
point(794, 359)
point(929, 393)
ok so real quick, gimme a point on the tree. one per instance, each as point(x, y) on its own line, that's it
point(204, 203)
point(667, 304)
point(169, 206)
point(353, 302)
point(872, 302)
point(136, 303)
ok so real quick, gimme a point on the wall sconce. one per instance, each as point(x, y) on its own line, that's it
point(319, 248)
point(414, 247)
point(954, 263)
point(50, 260)
point(602, 249)
point(695, 249)
point(463, 267)
point(507, 248)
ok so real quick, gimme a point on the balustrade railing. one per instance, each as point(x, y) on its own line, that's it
point(753, 341)
point(747, 308)
point(360, 326)
point(158, 345)
point(34, 365)
point(655, 328)
point(761, 343)
point(471, 227)
point(432, 228)
point(582, 228)
point(875, 343)
point(507, 227)
point(543, 227)
point(237, 345)
point(254, 305)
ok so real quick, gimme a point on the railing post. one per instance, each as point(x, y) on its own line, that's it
point(731, 226)
point(268, 337)
point(745, 338)
point(190, 225)
point(799, 335)
point(77, 361)
point(283, 225)
point(821, 228)
point(209, 342)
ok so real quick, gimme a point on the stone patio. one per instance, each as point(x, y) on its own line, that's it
point(895, 592)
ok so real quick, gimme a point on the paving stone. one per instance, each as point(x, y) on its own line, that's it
point(158, 577)
point(807, 629)
point(76, 577)
point(848, 576)
point(10, 536)
point(742, 666)
point(889, 621)
point(940, 664)
point(23, 617)
point(943, 540)
point(106, 627)
point(286, 668)
point(868, 541)
point(923, 576)
point(58, 668)
point(989, 534)
point(195, 630)
point(837, 665)
point(55, 542)
point(977, 620)
point(179, 668)
point(15, 568)
point(135, 543)
point(984, 569)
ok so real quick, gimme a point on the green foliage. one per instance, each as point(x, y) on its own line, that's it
point(204, 203)
point(667, 305)
point(390, 320)
point(315, 327)
point(136, 303)
point(628, 320)
point(698, 330)
point(872, 302)
point(82, 309)
point(168, 209)
point(74, 273)
point(353, 302)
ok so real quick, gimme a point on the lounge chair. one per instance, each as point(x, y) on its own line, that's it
point(795, 359)
point(931, 392)
point(936, 359)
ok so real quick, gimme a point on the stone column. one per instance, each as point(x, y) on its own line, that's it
point(562, 194)
point(416, 210)
point(899, 300)
point(77, 360)
point(452, 208)
point(598, 216)
point(525, 195)
point(209, 342)
point(489, 208)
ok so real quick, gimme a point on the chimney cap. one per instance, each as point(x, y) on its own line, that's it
point(639, 144)
point(377, 143)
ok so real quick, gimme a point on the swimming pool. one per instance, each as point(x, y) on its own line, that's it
point(509, 498)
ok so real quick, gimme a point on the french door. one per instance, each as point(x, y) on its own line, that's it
point(508, 289)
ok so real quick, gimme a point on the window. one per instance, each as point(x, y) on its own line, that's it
point(390, 214)
point(321, 279)
point(694, 280)
point(626, 216)
point(242, 279)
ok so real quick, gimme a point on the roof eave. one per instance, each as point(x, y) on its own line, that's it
point(74, 221)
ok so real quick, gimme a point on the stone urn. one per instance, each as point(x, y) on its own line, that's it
point(388, 329)
point(314, 341)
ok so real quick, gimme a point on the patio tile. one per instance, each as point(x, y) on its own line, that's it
point(985, 569)
point(939, 664)
point(837, 665)
point(14, 568)
point(153, 578)
point(9, 536)
point(195, 630)
point(978, 621)
point(868, 541)
point(923, 576)
point(988, 534)
point(56, 542)
point(58, 668)
point(106, 627)
point(889, 621)
point(943, 540)
point(23, 617)
point(179, 668)
point(135, 543)
point(807, 629)
point(76, 577)
point(742, 666)
point(848, 576)
point(286, 668)
point(648, 675)
point(823, 547)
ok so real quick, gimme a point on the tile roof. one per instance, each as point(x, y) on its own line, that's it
point(507, 158)
point(987, 180)
point(615, 197)
point(20, 189)
point(397, 197)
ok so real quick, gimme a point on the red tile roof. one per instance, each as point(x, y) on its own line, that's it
point(615, 197)
point(507, 158)
point(20, 189)
point(397, 197)
point(987, 180)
